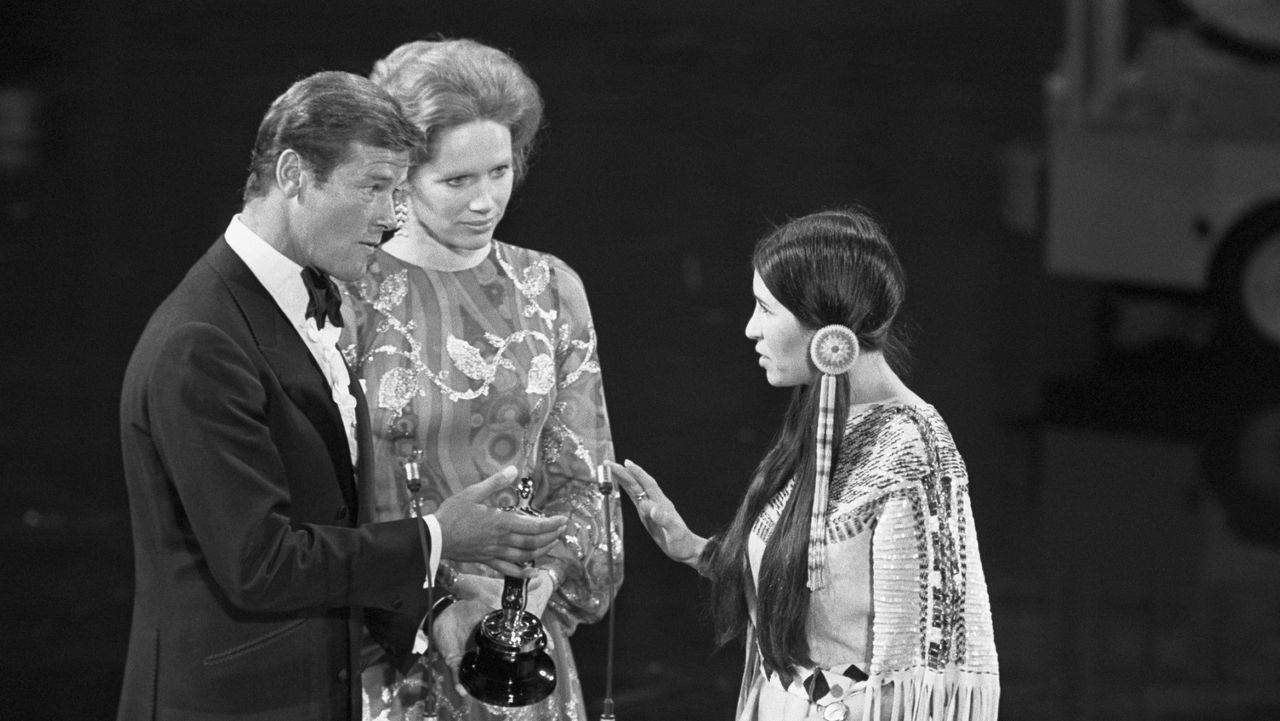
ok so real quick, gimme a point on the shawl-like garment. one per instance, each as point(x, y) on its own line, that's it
point(926, 621)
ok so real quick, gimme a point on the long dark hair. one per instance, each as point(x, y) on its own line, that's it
point(830, 267)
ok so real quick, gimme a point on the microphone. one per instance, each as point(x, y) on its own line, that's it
point(605, 478)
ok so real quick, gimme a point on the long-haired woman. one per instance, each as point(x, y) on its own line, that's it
point(851, 567)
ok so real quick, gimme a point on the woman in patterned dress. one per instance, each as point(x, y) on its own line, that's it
point(477, 355)
point(861, 596)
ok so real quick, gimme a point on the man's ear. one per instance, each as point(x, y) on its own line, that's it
point(289, 173)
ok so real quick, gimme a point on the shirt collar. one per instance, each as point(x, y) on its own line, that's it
point(280, 276)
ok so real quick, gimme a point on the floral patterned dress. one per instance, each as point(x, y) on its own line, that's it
point(901, 629)
point(468, 372)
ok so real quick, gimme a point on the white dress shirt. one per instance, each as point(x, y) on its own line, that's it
point(283, 280)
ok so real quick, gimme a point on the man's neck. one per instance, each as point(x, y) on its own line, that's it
point(265, 217)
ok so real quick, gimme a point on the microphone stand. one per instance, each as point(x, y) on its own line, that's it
point(428, 671)
point(605, 479)
point(413, 479)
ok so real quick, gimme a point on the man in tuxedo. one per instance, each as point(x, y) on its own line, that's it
point(244, 438)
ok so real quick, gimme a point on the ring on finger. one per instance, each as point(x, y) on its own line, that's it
point(641, 496)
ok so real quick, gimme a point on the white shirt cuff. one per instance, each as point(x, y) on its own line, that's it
point(437, 541)
point(433, 529)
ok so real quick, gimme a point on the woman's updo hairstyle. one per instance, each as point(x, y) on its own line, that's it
point(442, 84)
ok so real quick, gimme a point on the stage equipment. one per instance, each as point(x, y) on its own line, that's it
point(605, 478)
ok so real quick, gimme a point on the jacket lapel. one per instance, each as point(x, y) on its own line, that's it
point(364, 436)
point(284, 350)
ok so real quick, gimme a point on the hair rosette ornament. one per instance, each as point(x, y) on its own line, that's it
point(833, 351)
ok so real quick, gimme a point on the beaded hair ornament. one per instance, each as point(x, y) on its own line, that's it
point(833, 350)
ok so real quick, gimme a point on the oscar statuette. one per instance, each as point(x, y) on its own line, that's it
point(509, 665)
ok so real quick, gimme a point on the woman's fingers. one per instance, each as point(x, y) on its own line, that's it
point(624, 479)
point(657, 514)
point(475, 587)
point(637, 482)
point(454, 663)
point(451, 629)
point(647, 484)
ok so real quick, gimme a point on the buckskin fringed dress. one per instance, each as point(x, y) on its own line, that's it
point(468, 372)
point(902, 628)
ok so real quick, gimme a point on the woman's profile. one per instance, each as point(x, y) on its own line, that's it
point(851, 567)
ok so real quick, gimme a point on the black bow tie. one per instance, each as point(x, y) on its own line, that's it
point(325, 301)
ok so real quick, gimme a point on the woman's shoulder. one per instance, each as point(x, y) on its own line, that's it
point(896, 435)
point(384, 283)
point(536, 271)
point(521, 257)
point(905, 421)
point(881, 455)
point(909, 435)
point(383, 264)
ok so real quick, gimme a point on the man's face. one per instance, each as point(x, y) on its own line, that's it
point(335, 225)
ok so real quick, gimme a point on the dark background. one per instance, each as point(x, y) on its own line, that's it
point(677, 133)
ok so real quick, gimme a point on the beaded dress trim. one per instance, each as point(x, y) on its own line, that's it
point(933, 652)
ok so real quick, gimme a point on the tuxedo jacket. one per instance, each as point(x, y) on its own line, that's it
point(252, 577)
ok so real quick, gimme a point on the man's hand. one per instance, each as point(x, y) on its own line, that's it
point(477, 596)
point(476, 532)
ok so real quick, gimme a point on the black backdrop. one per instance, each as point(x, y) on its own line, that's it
point(677, 132)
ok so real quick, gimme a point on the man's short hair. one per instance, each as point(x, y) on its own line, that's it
point(319, 117)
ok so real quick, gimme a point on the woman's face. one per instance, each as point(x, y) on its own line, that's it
point(782, 343)
point(459, 197)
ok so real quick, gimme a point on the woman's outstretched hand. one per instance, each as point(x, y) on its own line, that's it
point(659, 514)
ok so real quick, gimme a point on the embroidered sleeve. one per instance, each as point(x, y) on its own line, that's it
point(574, 441)
point(931, 635)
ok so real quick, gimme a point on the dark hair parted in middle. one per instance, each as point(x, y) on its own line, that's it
point(446, 83)
point(830, 267)
point(319, 117)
